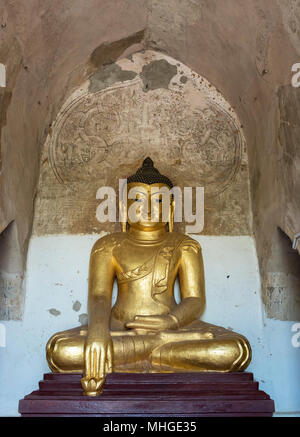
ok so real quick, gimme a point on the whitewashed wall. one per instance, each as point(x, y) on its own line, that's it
point(57, 278)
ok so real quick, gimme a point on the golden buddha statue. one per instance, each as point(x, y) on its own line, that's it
point(146, 330)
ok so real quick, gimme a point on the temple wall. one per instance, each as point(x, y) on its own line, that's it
point(246, 49)
point(56, 289)
point(52, 49)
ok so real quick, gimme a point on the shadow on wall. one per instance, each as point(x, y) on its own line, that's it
point(11, 276)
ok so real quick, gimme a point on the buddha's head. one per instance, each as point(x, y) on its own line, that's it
point(149, 203)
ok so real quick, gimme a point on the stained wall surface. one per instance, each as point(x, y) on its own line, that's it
point(146, 105)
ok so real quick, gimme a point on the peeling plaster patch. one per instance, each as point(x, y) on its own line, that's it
point(282, 300)
point(54, 312)
point(157, 74)
point(171, 20)
point(11, 296)
point(183, 79)
point(107, 76)
point(290, 10)
point(76, 305)
point(83, 319)
point(109, 52)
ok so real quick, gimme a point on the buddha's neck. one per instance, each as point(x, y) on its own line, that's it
point(147, 235)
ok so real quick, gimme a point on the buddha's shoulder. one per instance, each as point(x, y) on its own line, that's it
point(108, 242)
point(185, 243)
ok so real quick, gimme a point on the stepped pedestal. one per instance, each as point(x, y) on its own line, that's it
point(154, 394)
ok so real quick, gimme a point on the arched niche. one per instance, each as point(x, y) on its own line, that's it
point(147, 104)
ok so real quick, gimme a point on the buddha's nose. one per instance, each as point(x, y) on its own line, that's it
point(146, 214)
point(146, 211)
point(149, 207)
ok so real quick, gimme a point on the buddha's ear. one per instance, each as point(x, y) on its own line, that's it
point(171, 214)
point(123, 215)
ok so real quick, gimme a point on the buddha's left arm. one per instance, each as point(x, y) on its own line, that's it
point(191, 280)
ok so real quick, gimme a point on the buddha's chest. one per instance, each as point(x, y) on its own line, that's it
point(156, 262)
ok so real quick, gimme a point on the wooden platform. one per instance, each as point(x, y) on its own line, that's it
point(151, 395)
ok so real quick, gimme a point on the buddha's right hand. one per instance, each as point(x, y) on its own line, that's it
point(98, 362)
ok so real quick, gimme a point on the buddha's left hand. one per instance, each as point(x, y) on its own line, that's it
point(153, 323)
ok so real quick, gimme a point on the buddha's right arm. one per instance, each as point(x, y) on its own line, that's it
point(101, 278)
point(98, 344)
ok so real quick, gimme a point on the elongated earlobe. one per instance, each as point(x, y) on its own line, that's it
point(123, 216)
point(171, 216)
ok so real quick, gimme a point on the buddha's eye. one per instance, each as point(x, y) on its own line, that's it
point(158, 200)
point(138, 200)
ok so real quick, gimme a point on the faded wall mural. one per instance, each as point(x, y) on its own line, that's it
point(148, 104)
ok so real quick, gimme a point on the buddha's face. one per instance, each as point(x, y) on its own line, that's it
point(148, 206)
